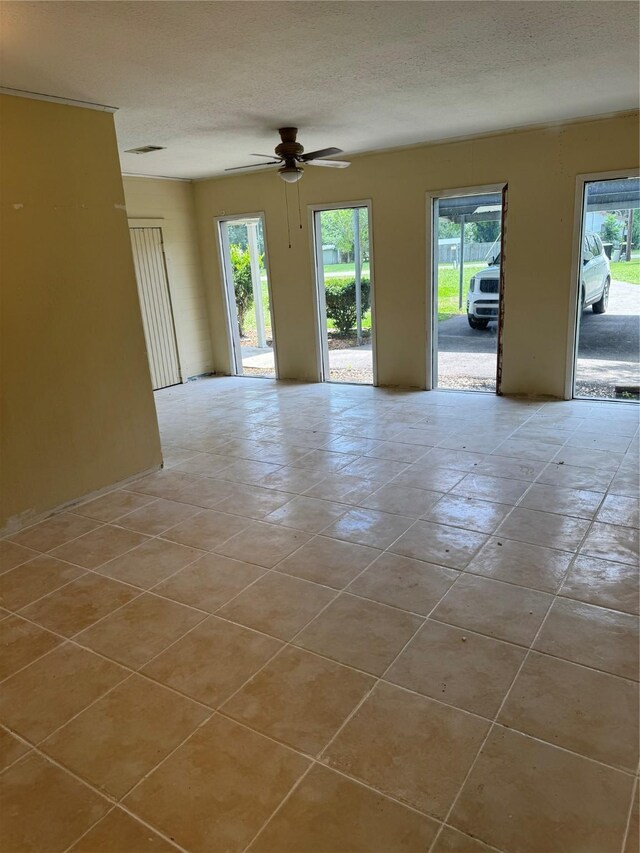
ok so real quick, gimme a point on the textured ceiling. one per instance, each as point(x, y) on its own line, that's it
point(213, 81)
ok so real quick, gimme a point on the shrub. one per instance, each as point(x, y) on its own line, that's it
point(340, 296)
point(242, 284)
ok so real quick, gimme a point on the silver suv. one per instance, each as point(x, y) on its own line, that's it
point(483, 295)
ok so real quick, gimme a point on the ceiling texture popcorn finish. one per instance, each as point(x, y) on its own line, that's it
point(209, 81)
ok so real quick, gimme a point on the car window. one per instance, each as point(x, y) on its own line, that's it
point(598, 245)
point(587, 249)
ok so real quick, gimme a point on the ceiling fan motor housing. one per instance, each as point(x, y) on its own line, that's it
point(289, 149)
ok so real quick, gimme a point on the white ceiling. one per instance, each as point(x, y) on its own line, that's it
point(212, 81)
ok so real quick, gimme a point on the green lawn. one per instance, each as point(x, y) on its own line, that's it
point(449, 287)
point(347, 269)
point(448, 283)
point(628, 271)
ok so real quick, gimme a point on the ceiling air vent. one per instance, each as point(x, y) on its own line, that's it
point(145, 149)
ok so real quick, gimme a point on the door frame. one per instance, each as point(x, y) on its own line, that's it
point(226, 279)
point(160, 223)
point(321, 343)
point(432, 296)
point(573, 328)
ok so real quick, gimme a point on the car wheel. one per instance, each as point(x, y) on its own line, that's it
point(477, 322)
point(602, 304)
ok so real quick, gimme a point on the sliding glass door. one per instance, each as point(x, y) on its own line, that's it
point(248, 295)
point(344, 282)
point(467, 251)
point(607, 364)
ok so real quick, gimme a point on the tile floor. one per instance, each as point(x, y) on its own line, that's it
point(341, 619)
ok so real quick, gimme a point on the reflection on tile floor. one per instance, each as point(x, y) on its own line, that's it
point(340, 619)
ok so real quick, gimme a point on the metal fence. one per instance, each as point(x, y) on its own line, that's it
point(448, 251)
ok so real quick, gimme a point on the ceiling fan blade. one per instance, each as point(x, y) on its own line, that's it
point(323, 152)
point(270, 156)
point(332, 164)
point(254, 166)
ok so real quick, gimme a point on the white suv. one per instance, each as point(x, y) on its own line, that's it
point(595, 281)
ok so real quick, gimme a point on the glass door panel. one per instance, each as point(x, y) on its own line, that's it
point(345, 294)
point(467, 245)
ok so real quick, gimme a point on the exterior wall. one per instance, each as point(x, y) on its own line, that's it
point(172, 204)
point(77, 407)
point(540, 166)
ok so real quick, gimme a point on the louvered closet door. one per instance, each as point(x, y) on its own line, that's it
point(155, 302)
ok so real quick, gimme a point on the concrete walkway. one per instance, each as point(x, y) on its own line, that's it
point(608, 349)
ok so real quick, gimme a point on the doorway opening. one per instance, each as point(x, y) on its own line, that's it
point(344, 286)
point(467, 288)
point(607, 351)
point(155, 305)
point(248, 295)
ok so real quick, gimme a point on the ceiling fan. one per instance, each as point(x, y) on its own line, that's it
point(290, 154)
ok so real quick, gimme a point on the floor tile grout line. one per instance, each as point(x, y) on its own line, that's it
point(285, 644)
point(627, 830)
point(115, 807)
point(40, 743)
point(491, 848)
point(130, 671)
point(280, 805)
point(270, 569)
point(590, 667)
point(321, 532)
point(314, 761)
point(502, 704)
point(49, 553)
point(380, 678)
point(156, 829)
point(88, 830)
point(344, 590)
point(29, 746)
point(117, 801)
point(154, 498)
point(140, 592)
point(289, 642)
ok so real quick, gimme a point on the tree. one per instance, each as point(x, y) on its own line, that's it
point(474, 232)
point(483, 232)
point(447, 229)
point(238, 235)
point(337, 230)
point(611, 230)
point(242, 283)
point(635, 230)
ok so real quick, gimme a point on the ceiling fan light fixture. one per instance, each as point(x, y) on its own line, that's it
point(290, 174)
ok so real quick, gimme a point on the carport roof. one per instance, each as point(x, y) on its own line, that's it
point(617, 194)
point(475, 208)
point(622, 194)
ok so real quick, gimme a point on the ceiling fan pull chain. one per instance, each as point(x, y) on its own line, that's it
point(299, 210)
point(286, 203)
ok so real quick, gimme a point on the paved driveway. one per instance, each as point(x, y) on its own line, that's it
point(608, 348)
point(614, 335)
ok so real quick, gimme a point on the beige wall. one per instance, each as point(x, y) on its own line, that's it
point(77, 407)
point(172, 204)
point(540, 167)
